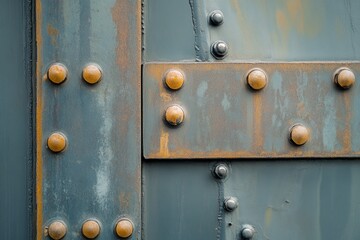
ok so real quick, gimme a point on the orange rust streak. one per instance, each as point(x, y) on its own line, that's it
point(257, 118)
point(347, 131)
point(39, 107)
point(164, 144)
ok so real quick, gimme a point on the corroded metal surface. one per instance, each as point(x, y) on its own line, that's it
point(226, 119)
point(98, 176)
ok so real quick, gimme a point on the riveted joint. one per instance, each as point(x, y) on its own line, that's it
point(57, 73)
point(256, 79)
point(216, 18)
point(219, 49)
point(247, 231)
point(91, 229)
point(57, 230)
point(299, 134)
point(221, 171)
point(124, 228)
point(231, 203)
point(174, 115)
point(344, 78)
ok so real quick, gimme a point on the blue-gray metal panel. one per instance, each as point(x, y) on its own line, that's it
point(225, 119)
point(98, 175)
point(16, 154)
point(277, 30)
point(288, 199)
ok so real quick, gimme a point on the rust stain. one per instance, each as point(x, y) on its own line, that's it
point(124, 199)
point(164, 142)
point(39, 107)
point(258, 140)
point(347, 131)
point(53, 33)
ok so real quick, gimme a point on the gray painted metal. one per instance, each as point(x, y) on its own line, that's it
point(277, 30)
point(287, 199)
point(16, 148)
point(225, 119)
point(98, 175)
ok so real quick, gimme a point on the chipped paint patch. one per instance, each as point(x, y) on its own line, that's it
point(225, 103)
point(200, 93)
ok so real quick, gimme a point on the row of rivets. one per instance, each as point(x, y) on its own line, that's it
point(57, 73)
point(91, 229)
point(221, 171)
point(219, 49)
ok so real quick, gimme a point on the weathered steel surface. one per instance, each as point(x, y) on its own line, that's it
point(282, 199)
point(98, 173)
point(224, 118)
point(280, 30)
point(16, 137)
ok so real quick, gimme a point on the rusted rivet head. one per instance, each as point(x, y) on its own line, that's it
point(57, 73)
point(344, 78)
point(174, 79)
point(90, 229)
point(216, 17)
point(92, 73)
point(299, 134)
point(219, 49)
point(57, 230)
point(124, 228)
point(256, 78)
point(247, 231)
point(56, 142)
point(174, 115)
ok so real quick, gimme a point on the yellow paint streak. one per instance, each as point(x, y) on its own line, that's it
point(257, 119)
point(268, 217)
point(164, 144)
point(39, 107)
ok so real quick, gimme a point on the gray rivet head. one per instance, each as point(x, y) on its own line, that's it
point(216, 17)
point(221, 171)
point(247, 232)
point(219, 49)
point(231, 204)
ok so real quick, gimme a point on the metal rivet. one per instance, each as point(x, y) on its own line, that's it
point(247, 231)
point(344, 78)
point(56, 142)
point(231, 204)
point(57, 73)
point(124, 228)
point(299, 134)
point(219, 49)
point(174, 79)
point(216, 17)
point(57, 230)
point(221, 171)
point(92, 73)
point(256, 78)
point(174, 115)
point(90, 229)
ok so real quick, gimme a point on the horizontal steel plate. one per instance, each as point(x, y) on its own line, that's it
point(225, 119)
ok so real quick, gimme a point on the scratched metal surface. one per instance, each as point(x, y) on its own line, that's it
point(98, 175)
point(277, 30)
point(225, 119)
point(289, 199)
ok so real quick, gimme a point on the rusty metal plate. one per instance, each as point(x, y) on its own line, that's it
point(224, 118)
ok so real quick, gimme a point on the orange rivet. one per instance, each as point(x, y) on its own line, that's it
point(299, 134)
point(124, 228)
point(57, 230)
point(91, 229)
point(174, 79)
point(257, 79)
point(344, 78)
point(92, 73)
point(57, 73)
point(174, 115)
point(56, 142)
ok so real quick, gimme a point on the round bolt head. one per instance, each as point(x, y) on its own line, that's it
point(216, 17)
point(57, 73)
point(221, 171)
point(219, 49)
point(124, 228)
point(56, 142)
point(174, 79)
point(231, 204)
point(256, 79)
point(344, 78)
point(174, 115)
point(247, 232)
point(57, 230)
point(92, 73)
point(299, 134)
point(90, 229)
